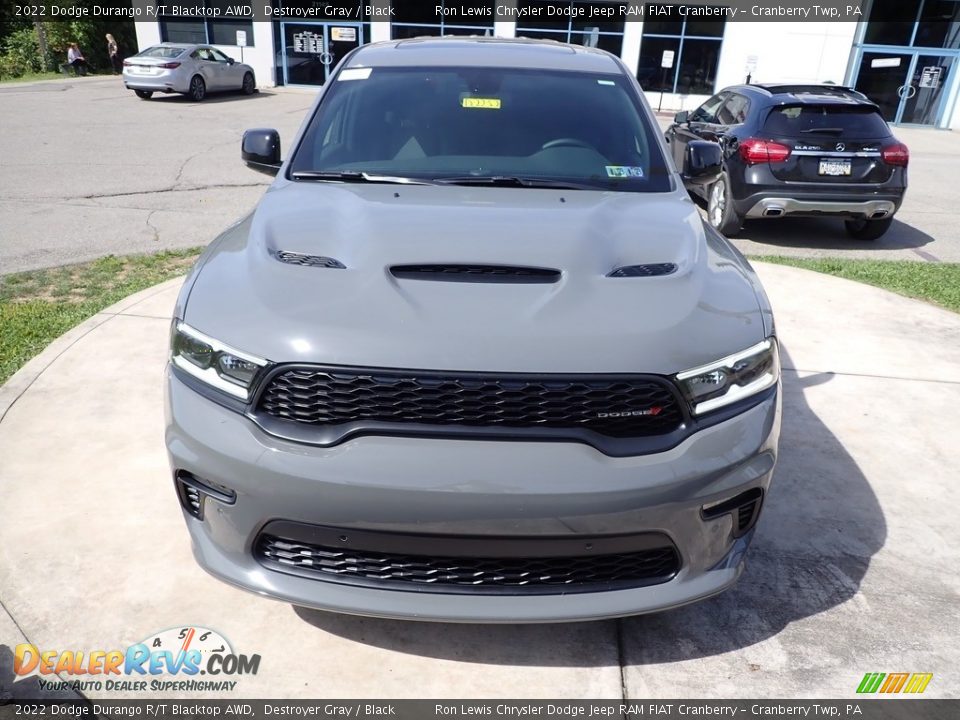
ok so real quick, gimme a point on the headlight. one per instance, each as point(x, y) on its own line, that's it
point(213, 362)
point(733, 378)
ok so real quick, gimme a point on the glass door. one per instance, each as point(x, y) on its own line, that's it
point(922, 95)
point(882, 78)
point(312, 50)
point(908, 87)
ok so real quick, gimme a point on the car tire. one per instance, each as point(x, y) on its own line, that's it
point(249, 86)
point(198, 89)
point(144, 94)
point(867, 229)
point(721, 214)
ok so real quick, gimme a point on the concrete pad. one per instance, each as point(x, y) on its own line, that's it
point(849, 573)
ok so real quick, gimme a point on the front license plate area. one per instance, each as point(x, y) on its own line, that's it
point(835, 167)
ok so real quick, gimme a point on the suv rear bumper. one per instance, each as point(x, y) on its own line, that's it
point(781, 206)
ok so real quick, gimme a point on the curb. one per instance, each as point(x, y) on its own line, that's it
point(23, 378)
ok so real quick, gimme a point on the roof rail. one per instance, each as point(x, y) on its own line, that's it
point(816, 89)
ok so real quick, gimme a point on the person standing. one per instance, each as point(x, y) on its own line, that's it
point(114, 52)
point(76, 60)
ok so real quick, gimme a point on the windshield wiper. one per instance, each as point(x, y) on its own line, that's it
point(513, 181)
point(357, 177)
point(830, 131)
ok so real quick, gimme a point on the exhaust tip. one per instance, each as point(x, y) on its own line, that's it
point(878, 214)
point(773, 212)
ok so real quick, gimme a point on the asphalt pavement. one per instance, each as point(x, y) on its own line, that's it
point(88, 169)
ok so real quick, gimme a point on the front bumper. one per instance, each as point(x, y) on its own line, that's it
point(456, 489)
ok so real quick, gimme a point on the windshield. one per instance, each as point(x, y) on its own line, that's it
point(162, 51)
point(463, 124)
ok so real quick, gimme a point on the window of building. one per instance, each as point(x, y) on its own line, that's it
point(412, 18)
point(695, 45)
point(566, 24)
point(917, 23)
point(213, 31)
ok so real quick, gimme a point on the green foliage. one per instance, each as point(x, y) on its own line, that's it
point(20, 50)
point(21, 53)
point(37, 307)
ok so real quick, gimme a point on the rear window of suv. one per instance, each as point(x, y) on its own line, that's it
point(849, 121)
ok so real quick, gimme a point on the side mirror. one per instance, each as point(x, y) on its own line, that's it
point(260, 150)
point(702, 163)
point(682, 117)
point(230, 61)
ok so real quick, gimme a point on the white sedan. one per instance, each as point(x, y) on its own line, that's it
point(193, 70)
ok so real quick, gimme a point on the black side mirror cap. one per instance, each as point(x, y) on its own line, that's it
point(682, 117)
point(702, 163)
point(230, 61)
point(260, 150)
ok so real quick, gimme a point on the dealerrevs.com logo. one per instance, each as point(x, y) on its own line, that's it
point(174, 660)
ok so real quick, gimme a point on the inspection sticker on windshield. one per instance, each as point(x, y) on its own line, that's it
point(624, 171)
point(354, 74)
point(482, 103)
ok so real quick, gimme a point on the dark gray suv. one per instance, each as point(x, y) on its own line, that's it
point(474, 356)
point(797, 150)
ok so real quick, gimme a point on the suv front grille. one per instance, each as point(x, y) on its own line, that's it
point(535, 574)
point(614, 406)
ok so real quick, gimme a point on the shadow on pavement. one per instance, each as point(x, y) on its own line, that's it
point(821, 525)
point(828, 234)
point(29, 688)
point(214, 98)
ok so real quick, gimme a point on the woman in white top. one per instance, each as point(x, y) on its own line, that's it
point(114, 52)
point(76, 60)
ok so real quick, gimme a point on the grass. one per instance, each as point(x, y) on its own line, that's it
point(31, 76)
point(938, 283)
point(37, 307)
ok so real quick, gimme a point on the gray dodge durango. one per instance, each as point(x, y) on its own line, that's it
point(474, 356)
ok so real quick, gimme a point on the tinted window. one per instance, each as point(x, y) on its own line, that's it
point(708, 111)
point(837, 120)
point(734, 110)
point(446, 122)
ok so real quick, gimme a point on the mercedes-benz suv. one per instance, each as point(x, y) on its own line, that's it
point(474, 356)
point(797, 150)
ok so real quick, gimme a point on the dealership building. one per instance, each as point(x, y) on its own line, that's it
point(902, 53)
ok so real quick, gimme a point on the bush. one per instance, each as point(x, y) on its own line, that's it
point(21, 53)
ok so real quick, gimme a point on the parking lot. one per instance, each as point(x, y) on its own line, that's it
point(89, 170)
point(849, 572)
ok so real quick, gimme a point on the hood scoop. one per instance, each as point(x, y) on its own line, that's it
point(648, 270)
point(297, 258)
point(476, 273)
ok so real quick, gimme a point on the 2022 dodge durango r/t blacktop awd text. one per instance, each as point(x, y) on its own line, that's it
point(474, 356)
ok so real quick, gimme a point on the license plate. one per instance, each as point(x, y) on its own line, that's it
point(834, 167)
point(142, 69)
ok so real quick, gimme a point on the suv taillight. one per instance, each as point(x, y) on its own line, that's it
point(897, 154)
point(170, 65)
point(755, 150)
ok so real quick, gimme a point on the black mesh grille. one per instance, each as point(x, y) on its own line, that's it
point(634, 568)
point(476, 273)
point(296, 258)
point(649, 270)
point(616, 407)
